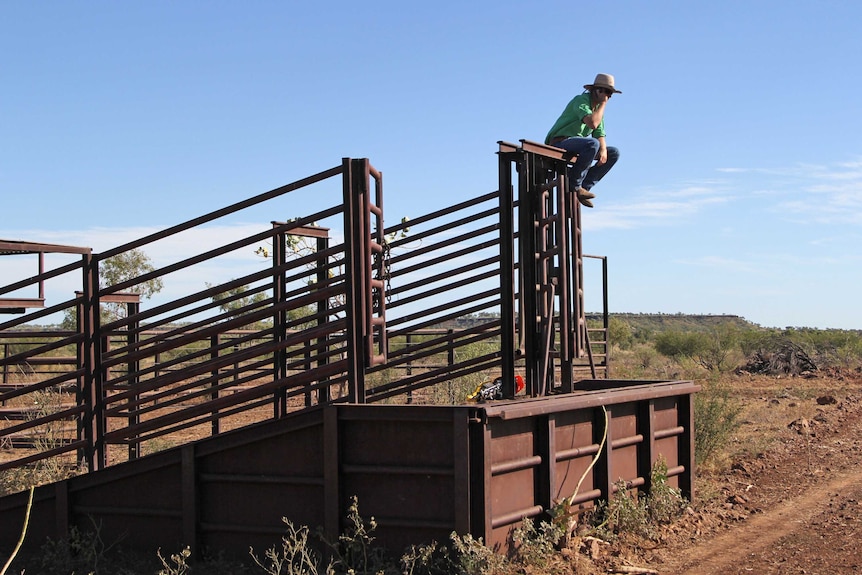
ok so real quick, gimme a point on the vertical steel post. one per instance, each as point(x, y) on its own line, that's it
point(567, 283)
point(577, 274)
point(322, 245)
point(507, 273)
point(606, 317)
point(133, 371)
point(646, 451)
point(354, 271)
point(215, 342)
point(91, 387)
point(279, 319)
point(603, 470)
point(189, 496)
point(528, 206)
point(686, 445)
point(377, 255)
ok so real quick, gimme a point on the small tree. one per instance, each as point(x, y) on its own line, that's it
point(115, 270)
point(129, 265)
point(716, 412)
point(680, 345)
point(620, 333)
point(233, 300)
point(711, 350)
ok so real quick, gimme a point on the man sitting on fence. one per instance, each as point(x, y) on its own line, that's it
point(581, 130)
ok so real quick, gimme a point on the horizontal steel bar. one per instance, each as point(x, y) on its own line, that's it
point(515, 516)
point(451, 209)
point(72, 446)
point(207, 527)
point(567, 454)
point(69, 413)
point(406, 523)
point(585, 399)
point(224, 211)
point(260, 479)
point(670, 432)
point(627, 441)
point(674, 471)
point(397, 470)
point(87, 510)
point(516, 465)
point(586, 496)
point(446, 256)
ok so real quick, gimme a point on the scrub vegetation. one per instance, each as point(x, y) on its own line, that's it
point(738, 365)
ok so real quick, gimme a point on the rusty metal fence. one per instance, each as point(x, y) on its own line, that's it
point(329, 308)
point(283, 332)
point(283, 335)
point(375, 315)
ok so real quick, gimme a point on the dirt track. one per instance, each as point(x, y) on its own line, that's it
point(811, 533)
point(795, 509)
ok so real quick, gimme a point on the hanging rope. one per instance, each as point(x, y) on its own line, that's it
point(23, 532)
point(571, 500)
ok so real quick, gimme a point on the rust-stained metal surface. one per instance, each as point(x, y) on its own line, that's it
point(15, 303)
point(538, 450)
point(10, 247)
point(420, 471)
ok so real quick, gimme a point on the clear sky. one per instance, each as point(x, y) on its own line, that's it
point(738, 191)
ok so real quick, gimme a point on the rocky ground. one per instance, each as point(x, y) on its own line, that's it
point(788, 501)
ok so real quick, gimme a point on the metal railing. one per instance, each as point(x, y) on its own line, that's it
point(379, 316)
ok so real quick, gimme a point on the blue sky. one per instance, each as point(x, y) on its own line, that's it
point(738, 191)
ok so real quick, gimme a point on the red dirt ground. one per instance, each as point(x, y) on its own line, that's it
point(793, 507)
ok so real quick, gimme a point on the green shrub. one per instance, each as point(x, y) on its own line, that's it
point(620, 333)
point(472, 557)
point(713, 350)
point(664, 503)
point(625, 512)
point(537, 544)
point(632, 512)
point(429, 559)
point(715, 415)
point(646, 356)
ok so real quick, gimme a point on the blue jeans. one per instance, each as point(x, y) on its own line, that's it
point(581, 174)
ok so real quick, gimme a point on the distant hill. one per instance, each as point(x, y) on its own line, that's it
point(658, 322)
point(639, 322)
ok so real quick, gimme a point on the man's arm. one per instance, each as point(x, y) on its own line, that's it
point(595, 118)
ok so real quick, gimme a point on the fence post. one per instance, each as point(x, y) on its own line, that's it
point(355, 274)
point(133, 337)
point(90, 387)
point(279, 321)
point(215, 342)
point(323, 393)
point(5, 366)
point(508, 331)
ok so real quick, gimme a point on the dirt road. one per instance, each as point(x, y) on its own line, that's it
point(795, 509)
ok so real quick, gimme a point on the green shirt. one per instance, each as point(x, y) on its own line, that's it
point(571, 123)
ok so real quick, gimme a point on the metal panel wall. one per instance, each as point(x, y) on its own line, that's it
point(536, 452)
point(420, 471)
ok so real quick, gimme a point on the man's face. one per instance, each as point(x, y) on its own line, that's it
point(602, 91)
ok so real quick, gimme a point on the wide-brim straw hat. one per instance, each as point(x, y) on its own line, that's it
point(603, 81)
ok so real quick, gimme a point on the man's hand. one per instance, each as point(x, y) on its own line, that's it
point(602, 156)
